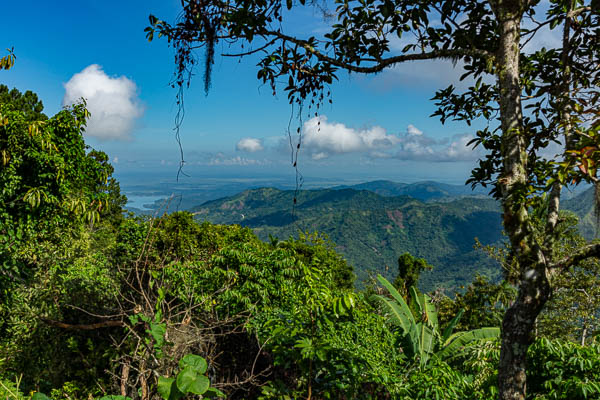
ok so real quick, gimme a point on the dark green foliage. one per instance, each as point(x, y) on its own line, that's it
point(27, 103)
point(563, 370)
point(409, 271)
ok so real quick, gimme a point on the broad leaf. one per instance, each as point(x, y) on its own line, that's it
point(451, 325)
point(461, 339)
point(42, 396)
point(402, 306)
point(167, 388)
point(191, 360)
point(189, 381)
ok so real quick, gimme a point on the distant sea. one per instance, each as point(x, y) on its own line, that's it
point(147, 191)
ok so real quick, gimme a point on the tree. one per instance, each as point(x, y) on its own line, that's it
point(409, 270)
point(539, 97)
point(50, 180)
point(27, 102)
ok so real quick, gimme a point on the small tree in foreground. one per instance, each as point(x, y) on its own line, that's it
point(540, 96)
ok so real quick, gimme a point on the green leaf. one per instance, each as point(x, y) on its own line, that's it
point(41, 396)
point(198, 363)
point(212, 392)
point(189, 381)
point(452, 325)
point(402, 309)
point(167, 389)
point(462, 339)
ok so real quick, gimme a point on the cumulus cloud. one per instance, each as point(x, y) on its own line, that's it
point(111, 101)
point(250, 145)
point(425, 148)
point(412, 130)
point(323, 139)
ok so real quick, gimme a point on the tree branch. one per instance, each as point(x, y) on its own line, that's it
point(85, 327)
point(591, 250)
point(385, 62)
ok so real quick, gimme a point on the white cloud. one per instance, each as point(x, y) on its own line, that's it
point(323, 139)
point(111, 101)
point(115, 160)
point(459, 150)
point(424, 148)
point(250, 145)
point(413, 130)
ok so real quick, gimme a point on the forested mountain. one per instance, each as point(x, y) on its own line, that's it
point(583, 206)
point(372, 227)
point(371, 231)
point(424, 190)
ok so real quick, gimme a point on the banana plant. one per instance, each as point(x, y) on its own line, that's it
point(421, 333)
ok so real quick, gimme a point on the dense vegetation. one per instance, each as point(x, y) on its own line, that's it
point(96, 302)
point(444, 233)
point(447, 233)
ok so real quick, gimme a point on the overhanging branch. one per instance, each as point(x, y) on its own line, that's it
point(384, 62)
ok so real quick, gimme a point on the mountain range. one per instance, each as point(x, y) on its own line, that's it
point(372, 230)
point(424, 190)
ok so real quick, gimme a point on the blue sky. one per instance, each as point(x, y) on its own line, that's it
point(377, 127)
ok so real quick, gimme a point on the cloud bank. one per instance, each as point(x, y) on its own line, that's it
point(111, 101)
point(323, 139)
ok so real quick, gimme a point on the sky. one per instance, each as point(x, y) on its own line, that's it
point(377, 127)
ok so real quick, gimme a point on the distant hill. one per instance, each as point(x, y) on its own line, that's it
point(425, 190)
point(147, 199)
point(583, 206)
point(371, 230)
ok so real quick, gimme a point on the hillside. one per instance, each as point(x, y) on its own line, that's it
point(424, 190)
point(583, 206)
point(371, 231)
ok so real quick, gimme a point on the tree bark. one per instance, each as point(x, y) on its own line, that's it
point(534, 288)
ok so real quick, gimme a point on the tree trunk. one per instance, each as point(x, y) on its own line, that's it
point(517, 334)
point(534, 289)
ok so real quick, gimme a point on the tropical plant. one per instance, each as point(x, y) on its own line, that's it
point(423, 338)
